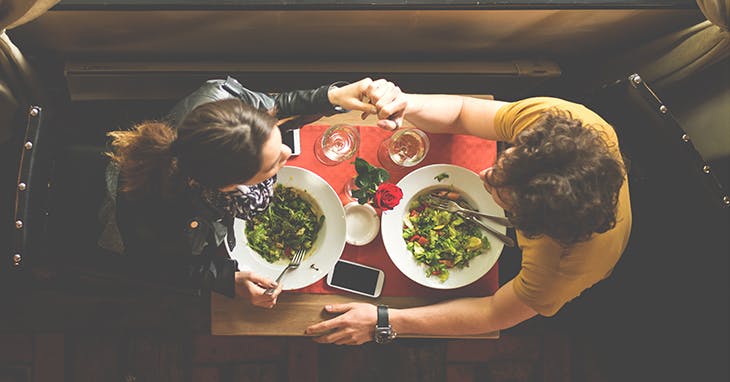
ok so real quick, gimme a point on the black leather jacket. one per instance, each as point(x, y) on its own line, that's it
point(180, 232)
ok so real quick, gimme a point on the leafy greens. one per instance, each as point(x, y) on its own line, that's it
point(439, 239)
point(289, 224)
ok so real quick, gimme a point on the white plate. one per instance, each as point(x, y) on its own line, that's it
point(468, 184)
point(328, 246)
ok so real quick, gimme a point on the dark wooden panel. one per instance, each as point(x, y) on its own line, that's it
point(512, 371)
point(343, 364)
point(405, 361)
point(266, 372)
point(351, 35)
point(460, 373)
point(16, 348)
point(206, 374)
point(302, 356)
point(374, 4)
point(521, 347)
point(556, 358)
point(158, 359)
point(14, 374)
point(421, 361)
point(220, 349)
point(93, 358)
point(48, 360)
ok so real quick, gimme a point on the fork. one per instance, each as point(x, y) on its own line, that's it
point(502, 237)
point(452, 206)
point(293, 264)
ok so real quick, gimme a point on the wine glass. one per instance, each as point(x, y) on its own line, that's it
point(337, 144)
point(405, 148)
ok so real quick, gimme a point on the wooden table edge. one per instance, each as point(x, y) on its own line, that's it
point(294, 312)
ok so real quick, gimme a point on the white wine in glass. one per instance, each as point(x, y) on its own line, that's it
point(337, 144)
point(405, 148)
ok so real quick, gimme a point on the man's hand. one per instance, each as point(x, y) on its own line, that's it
point(252, 286)
point(389, 101)
point(354, 326)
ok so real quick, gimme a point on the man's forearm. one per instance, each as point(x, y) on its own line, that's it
point(435, 113)
point(453, 114)
point(464, 316)
point(456, 317)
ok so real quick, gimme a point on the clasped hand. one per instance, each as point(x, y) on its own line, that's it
point(380, 97)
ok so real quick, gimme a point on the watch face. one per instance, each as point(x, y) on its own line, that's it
point(383, 335)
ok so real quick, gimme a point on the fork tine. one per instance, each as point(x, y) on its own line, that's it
point(439, 203)
point(298, 256)
point(434, 200)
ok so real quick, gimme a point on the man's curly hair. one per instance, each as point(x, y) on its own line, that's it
point(560, 180)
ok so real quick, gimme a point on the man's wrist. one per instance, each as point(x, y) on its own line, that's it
point(396, 320)
point(384, 332)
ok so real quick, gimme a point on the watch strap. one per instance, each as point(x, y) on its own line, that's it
point(383, 321)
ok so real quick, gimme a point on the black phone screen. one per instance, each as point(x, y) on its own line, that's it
point(356, 278)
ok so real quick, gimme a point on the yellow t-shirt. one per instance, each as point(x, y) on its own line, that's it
point(550, 275)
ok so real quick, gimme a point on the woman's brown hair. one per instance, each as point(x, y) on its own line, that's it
point(217, 144)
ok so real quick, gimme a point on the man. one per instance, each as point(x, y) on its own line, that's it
point(564, 184)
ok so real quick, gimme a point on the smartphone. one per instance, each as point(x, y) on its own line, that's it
point(356, 278)
point(291, 138)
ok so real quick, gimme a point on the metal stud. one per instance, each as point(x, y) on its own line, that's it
point(17, 258)
point(663, 109)
point(706, 169)
point(34, 111)
point(194, 224)
point(21, 186)
point(18, 224)
point(636, 79)
point(685, 137)
point(726, 200)
point(28, 145)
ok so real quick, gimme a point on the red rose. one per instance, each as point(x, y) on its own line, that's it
point(387, 196)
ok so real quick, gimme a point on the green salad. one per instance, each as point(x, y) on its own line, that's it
point(439, 239)
point(289, 224)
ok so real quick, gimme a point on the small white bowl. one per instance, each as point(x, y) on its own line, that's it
point(362, 223)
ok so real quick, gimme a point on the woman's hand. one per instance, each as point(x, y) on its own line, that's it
point(351, 97)
point(355, 326)
point(380, 97)
point(252, 286)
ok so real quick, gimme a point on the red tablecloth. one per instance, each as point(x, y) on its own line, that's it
point(469, 152)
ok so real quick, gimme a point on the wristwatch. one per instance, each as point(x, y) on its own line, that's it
point(384, 333)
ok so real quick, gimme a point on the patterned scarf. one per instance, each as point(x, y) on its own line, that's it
point(244, 203)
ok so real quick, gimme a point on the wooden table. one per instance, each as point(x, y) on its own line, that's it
point(294, 312)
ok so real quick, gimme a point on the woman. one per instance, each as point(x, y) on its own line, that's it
point(175, 186)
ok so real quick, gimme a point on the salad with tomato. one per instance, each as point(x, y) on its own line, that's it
point(439, 239)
